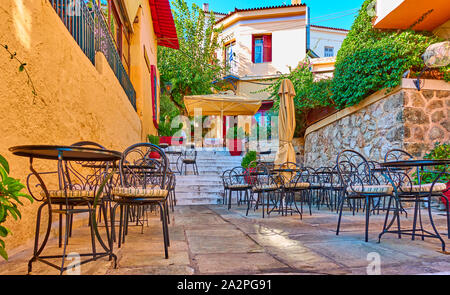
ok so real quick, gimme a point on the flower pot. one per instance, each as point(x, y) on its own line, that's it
point(235, 147)
point(170, 140)
point(447, 194)
point(154, 155)
point(248, 178)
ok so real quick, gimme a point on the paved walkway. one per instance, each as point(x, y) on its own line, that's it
point(213, 240)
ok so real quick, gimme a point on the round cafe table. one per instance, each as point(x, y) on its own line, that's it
point(393, 167)
point(63, 155)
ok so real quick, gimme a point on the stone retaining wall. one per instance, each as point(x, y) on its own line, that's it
point(407, 119)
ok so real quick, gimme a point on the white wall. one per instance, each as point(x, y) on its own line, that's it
point(288, 44)
point(326, 37)
point(384, 7)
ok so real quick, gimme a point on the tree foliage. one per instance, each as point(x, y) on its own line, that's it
point(193, 67)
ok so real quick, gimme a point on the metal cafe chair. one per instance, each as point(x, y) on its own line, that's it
point(236, 182)
point(357, 177)
point(225, 182)
point(264, 186)
point(412, 188)
point(143, 182)
point(83, 185)
point(293, 182)
point(81, 176)
point(189, 157)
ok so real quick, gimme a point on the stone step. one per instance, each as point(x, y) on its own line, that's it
point(198, 189)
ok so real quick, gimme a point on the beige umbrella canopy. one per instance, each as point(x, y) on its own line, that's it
point(222, 105)
point(286, 123)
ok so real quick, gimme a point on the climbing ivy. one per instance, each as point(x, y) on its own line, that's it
point(371, 59)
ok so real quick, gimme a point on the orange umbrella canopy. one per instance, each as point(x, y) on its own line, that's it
point(222, 105)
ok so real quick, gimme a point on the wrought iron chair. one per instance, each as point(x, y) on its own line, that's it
point(264, 185)
point(410, 189)
point(189, 157)
point(292, 184)
point(225, 182)
point(144, 181)
point(236, 182)
point(83, 187)
point(357, 177)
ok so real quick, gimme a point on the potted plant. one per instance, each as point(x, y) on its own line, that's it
point(10, 194)
point(249, 162)
point(235, 135)
point(153, 139)
point(166, 133)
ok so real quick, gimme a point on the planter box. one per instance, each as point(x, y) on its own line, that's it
point(235, 147)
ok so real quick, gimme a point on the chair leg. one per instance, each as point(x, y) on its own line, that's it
point(66, 239)
point(341, 207)
point(121, 221)
point(367, 218)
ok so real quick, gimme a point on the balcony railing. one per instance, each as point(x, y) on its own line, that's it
point(86, 23)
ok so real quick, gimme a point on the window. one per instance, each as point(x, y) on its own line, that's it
point(262, 49)
point(259, 49)
point(230, 55)
point(329, 51)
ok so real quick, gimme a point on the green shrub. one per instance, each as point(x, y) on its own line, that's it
point(165, 128)
point(153, 139)
point(439, 152)
point(10, 194)
point(249, 158)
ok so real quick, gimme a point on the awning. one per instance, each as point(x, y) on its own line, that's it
point(222, 105)
point(163, 24)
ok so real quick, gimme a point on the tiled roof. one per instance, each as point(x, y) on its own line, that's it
point(236, 10)
point(329, 28)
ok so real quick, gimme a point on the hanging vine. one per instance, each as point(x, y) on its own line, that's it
point(23, 68)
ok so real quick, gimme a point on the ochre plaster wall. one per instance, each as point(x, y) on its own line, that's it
point(81, 102)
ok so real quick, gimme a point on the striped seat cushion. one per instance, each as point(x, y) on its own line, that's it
point(70, 194)
point(370, 189)
point(266, 187)
point(238, 186)
point(132, 192)
point(438, 187)
point(297, 185)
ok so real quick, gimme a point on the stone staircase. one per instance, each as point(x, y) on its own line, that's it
point(205, 188)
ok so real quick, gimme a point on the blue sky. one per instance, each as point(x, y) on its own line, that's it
point(331, 13)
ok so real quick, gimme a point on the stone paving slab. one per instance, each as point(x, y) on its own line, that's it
point(214, 240)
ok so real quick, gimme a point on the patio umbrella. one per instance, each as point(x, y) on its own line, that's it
point(286, 123)
point(222, 105)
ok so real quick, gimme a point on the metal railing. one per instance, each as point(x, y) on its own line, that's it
point(85, 22)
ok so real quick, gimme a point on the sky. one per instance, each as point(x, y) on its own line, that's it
point(330, 13)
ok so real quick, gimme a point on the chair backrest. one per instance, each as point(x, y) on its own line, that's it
point(85, 175)
point(237, 176)
point(354, 169)
point(190, 154)
point(226, 178)
point(397, 155)
point(144, 165)
point(262, 175)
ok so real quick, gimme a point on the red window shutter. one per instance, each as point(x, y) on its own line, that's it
point(154, 95)
point(253, 49)
point(267, 41)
